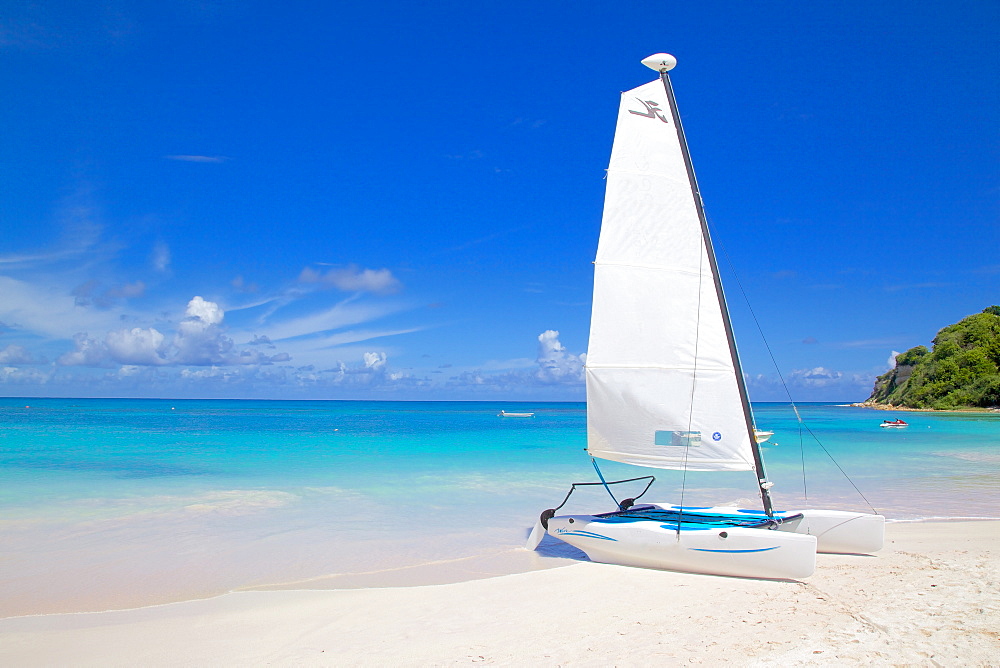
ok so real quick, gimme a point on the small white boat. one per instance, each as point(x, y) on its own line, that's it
point(664, 384)
point(762, 435)
point(503, 413)
point(898, 424)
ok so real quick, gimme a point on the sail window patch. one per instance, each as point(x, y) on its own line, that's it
point(676, 438)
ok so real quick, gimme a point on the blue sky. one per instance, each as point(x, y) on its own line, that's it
point(401, 201)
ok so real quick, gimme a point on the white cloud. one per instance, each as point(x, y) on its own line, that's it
point(553, 367)
point(198, 341)
point(891, 362)
point(354, 279)
point(14, 354)
point(374, 361)
point(136, 346)
point(205, 311)
point(344, 314)
point(555, 364)
point(24, 376)
point(818, 376)
point(89, 352)
point(48, 311)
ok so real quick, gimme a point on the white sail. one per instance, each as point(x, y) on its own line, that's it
point(661, 380)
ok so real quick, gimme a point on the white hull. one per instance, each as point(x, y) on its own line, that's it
point(734, 551)
point(787, 551)
point(836, 531)
point(839, 531)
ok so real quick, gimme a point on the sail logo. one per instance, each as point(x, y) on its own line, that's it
point(717, 436)
point(677, 438)
point(652, 110)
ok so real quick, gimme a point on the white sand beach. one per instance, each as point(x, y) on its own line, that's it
point(930, 598)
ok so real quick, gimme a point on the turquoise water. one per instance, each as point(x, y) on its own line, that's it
point(150, 500)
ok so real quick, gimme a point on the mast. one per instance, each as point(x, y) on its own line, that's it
point(663, 63)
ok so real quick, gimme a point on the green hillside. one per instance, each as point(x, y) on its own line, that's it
point(961, 370)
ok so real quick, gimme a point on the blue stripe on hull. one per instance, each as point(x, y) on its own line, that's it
point(763, 549)
point(585, 534)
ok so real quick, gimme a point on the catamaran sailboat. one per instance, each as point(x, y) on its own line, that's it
point(664, 384)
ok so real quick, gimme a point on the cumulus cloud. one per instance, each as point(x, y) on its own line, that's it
point(554, 366)
point(198, 341)
point(818, 376)
point(891, 362)
point(136, 346)
point(555, 363)
point(14, 375)
point(204, 311)
point(375, 361)
point(88, 352)
point(14, 354)
point(353, 279)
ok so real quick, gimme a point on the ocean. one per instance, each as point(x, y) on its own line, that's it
point(112, 503)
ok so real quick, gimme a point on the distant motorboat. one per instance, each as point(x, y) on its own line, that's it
point(506, 414)
point(762, 435)
point(893, 423)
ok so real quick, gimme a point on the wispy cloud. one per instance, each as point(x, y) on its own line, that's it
point(198, 158)
point(160, 257)
point(358, 336)
point(353, 279)
point(482, 240)
point(345, 314)
point(870, 343)
point(918, 286)
point(47, 310)
point(988, 270)
point(80, 237)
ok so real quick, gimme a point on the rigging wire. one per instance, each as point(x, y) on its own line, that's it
point(784, 385)
point(694, 382)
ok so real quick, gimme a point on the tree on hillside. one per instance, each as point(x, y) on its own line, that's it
point(962, 369)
